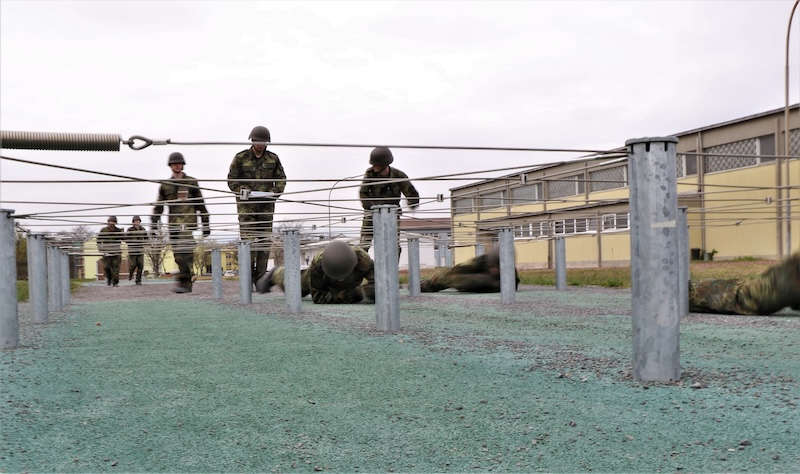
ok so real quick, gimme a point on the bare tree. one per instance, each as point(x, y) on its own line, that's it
point(202, 256)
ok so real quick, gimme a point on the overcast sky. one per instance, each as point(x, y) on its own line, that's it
point(529, 74)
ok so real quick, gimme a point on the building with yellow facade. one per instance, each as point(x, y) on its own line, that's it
point(736, 204)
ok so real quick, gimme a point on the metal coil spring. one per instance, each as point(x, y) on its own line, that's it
point(59, 141)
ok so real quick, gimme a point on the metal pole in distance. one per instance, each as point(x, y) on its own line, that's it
point(216, 273)
point(508, 275)
point(9, 322)
point(683, 261)
point(479, 250)
point(53, 280)
point(437, 250)
point(387, 313)
point(291, 275)
point(654, 259)
point(413, 267)
point(66, 288)
point(37, 277)
point(448, 252)
point(561, 264)
point(245, 274)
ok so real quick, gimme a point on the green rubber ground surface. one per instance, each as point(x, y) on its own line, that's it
point(468, 385)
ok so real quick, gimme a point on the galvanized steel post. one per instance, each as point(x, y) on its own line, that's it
point(448, 252)
point(245, 274)
point(37, 277)
point(66, 287)
point(387, 312)
point(413, 267)
point(561, 263)
point(508, 274)
point(654, 258)
point(53, 279)
point(216, 273)
point(479, 250)
point(437, 251)
point(9, 317)
point(291, 275)
point(683, 261)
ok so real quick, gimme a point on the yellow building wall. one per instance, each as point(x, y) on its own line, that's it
point(610, 194)
point(616, 248)
point(741, 223)
point(531, 253)
point(794, 174)
point(581, 250)
point(568, 201)
point(464, 234)
point(462, 254)
point(525, 208)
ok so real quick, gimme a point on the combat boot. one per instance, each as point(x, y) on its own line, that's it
point(264, 283)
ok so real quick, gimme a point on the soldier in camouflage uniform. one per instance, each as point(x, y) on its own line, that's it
point(373, 193)
point(185, 200)
point(108, 243)
point(477, 275)
point(773, 290)
point(335, 276)
point(255, 214)
point(136, 237)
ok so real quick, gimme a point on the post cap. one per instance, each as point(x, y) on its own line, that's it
point(634, 141)
point(8, 211)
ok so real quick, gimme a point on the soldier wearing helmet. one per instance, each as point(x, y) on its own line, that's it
point(478, 275)
point(136, 238)
point(184, 199)
point(382, 185)
point(335, 276)
point(257, 169)
point(108, 243)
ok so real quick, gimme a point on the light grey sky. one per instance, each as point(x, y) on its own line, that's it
point(529, 74)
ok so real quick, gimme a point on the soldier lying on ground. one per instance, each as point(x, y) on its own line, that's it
point(477, 275)
point(773, 290)
point(335, 276)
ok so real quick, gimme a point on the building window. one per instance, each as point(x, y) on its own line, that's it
point(539, 229)
point(526, 193)
point(462, 205)
point(618, 221)
point(558, 227)
point(491, 200)
point(609, 178)
point(763, 145)
point(568, 186)
point(522, 231)
point(690, 164)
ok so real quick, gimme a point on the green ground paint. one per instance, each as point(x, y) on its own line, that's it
point(469, 386)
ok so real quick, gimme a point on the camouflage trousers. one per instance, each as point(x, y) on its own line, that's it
point(135, 267)
point(367, 233)
point(111, 268)
point(255, 225)
point(756, 296)
point(444, 278)
point(183, 248)
point(332, 296)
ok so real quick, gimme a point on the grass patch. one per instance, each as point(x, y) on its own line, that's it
point(23, 292)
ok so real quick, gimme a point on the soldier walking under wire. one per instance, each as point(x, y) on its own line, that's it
point(185, 201)
point(341, 274)
point(108, 243)
point(374, 191)
point(258, 171)
point(136, 237)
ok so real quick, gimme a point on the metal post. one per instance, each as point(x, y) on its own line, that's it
point(216, 273)
point(413, 267)
point(683, 261)
point(66, 287)
point(437, 251)
point(9, 317)
point(508, 274)
point(479, 250)
point(245, 274)
point(654, 259)
point(37, 277)
point(561, 263)
point(53, 280)
point(448, 252)
point(291, 275)
point(387, 315)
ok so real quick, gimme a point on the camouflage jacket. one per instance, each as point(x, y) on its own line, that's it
point(479, 264)
point(327, 290)
point(386, 193)
point(246, 165)
point(109, 239)
point(136, 239)
point(185, 202)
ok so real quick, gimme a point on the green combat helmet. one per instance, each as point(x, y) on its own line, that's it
point(381, 156)
point(112, 219)
point(338, 260)
point(176, 158)
point(259, 134)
